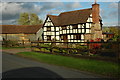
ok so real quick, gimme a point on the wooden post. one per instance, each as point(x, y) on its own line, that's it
point(67, 48)
point(23, 42)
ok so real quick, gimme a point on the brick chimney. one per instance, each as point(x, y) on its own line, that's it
point(95, 12)
point(96, 29)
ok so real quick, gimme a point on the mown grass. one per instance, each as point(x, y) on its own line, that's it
point(10, 47)
point(98, 67)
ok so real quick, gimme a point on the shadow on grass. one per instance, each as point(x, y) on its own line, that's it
point(31, 72)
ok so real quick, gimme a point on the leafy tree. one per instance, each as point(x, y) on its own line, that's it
point(24, 19)
point(114, 30)
point(29, 19)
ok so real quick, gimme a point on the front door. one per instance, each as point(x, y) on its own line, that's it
point(65, 38)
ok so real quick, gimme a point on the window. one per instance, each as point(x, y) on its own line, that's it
point(64, 37)
point(77, 37)
point(48, 28)
point(75, 26)
point(48, 37)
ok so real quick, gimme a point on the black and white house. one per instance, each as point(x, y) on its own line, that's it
point(74, 26)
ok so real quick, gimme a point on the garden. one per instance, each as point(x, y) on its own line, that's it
point(92, 48)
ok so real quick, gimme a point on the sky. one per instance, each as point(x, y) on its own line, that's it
point(11, 9)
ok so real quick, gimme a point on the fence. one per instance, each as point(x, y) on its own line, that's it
point(15, 43)
point(106, 51)
point(110, 49)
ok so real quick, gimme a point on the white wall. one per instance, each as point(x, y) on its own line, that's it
point(39, 34)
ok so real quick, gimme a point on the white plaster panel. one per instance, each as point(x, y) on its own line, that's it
point(87, 30)
point(79, 31)
point(60, 32)
point(83, 30)
point(82, 36)
point(68, 36)
point(87, 25)
point(88, 20)
point(48, 19)
point(73, 30)
point(64, 31)
point(52, 28)
point(82, 26)
point(67, 27)
point(52, 33)
point(79, 26)
point(57, 33)
point(45, 33)
point(78, 40)
point(51, 24)
point(70, 26)
point(57, 28)
point(57, 37)
point(71, 36)
point(67, 31)
point(46, 24)
point(45, 29)
point(90, 15)
point(75, 40)
point(60, 28)
point(52, 37)
point(91, 20)
point(71, 40)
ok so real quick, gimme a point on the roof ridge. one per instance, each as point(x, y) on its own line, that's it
point(52, 15)
point(74, 11)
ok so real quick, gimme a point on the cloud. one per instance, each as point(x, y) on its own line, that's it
point(76, 5)
point(114, 10)
point(59, 1)
point(113, 5)
point(12, 10)
point(114, 23)
point(10, 22)
point(103, 14)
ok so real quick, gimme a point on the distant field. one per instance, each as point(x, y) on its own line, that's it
point(94, 66)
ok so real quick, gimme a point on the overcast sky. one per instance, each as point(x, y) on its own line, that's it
point(10, 11)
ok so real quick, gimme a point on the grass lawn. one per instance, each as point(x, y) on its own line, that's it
point(10, 47)
point(94, 66)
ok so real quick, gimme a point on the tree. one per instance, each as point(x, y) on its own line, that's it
point(29, 19)
point(24, 19)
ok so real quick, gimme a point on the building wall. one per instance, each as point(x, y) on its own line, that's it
point(30, 37)
point(39, 34)
point(86, 31)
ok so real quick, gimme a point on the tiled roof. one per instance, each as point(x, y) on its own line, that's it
point(71, 17)
point(54, 19)
point(16, 29)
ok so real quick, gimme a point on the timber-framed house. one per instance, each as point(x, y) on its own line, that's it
point(74, 26)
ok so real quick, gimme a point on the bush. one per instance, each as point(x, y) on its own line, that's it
point(108, 52)
point(9, 43)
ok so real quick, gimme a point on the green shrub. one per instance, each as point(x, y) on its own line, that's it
point(9, 43)
point(108, 53)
